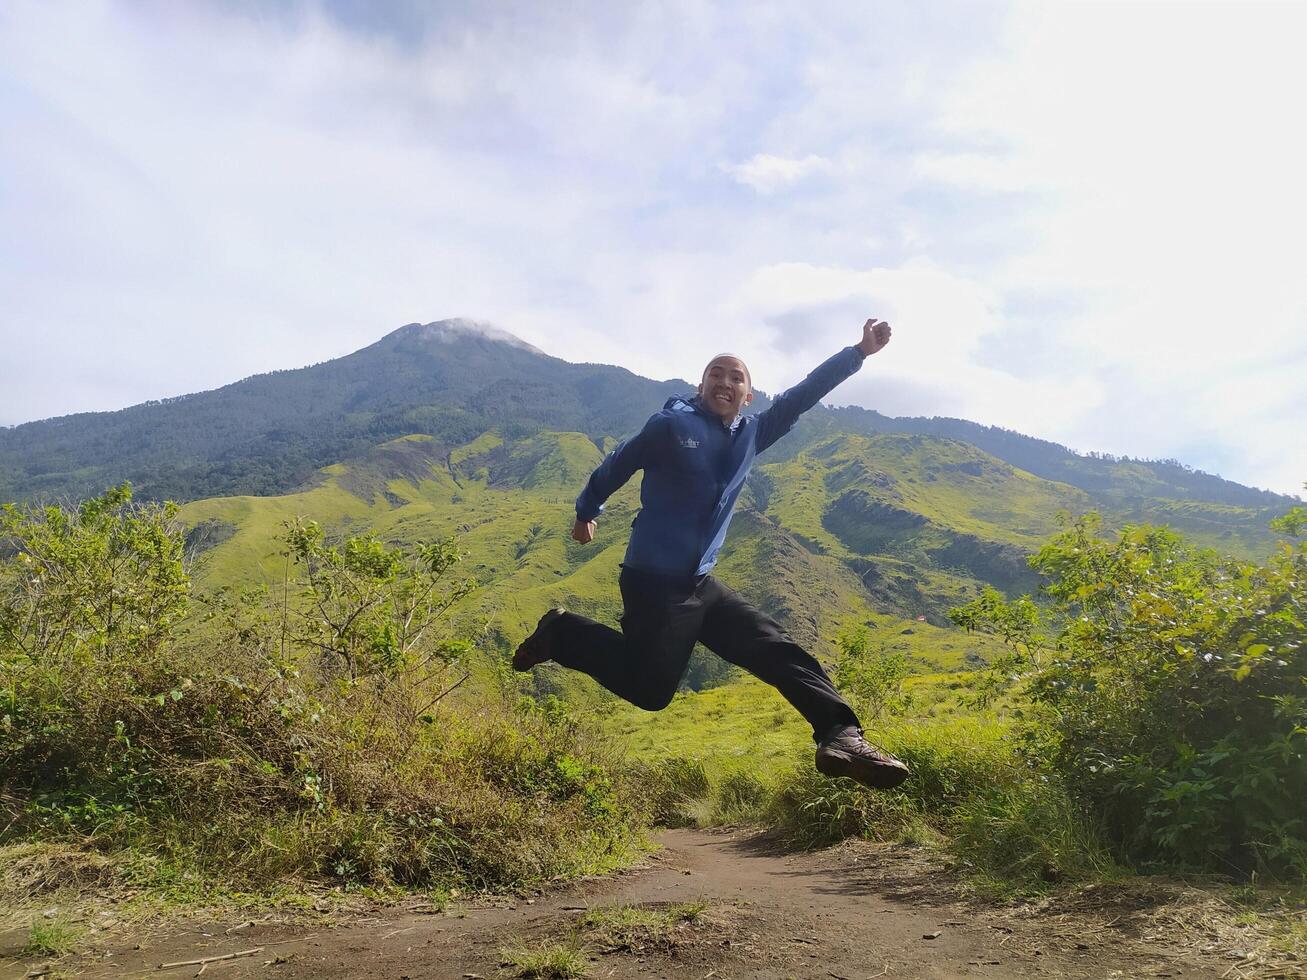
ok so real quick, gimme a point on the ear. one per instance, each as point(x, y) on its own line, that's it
point(748, 397)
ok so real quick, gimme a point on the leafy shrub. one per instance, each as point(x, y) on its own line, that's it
point(970, 788)
point(870, 674)
point(1168, 691)
point(90, 601)
point(367, 608)
point(306, 733)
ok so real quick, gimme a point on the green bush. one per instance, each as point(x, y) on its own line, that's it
point(1166, 687)
point(309, 733)
point(971, 789)
point(91, 602)
point(670, 788)
point(740, 797)
point(870, 673)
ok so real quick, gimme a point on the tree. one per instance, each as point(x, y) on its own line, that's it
point(1173, 683)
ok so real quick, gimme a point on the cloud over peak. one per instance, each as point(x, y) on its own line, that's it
point(1087, 222)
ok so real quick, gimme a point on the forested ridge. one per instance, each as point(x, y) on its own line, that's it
point(455, 379)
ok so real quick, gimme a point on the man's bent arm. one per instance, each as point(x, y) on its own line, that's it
point(618, 467)
point(789, 405)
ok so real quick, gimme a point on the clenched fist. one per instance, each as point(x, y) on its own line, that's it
point(584, 531)
point(875, 335)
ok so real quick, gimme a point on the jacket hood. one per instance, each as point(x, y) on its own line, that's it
point(687, 403)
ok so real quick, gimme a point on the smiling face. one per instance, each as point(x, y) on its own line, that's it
point(725, 388)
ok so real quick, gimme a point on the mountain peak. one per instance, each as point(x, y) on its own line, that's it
point(446, 331)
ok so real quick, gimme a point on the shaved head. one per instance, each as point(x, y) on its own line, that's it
point(732, 358)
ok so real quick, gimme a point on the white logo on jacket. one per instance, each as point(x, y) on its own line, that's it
point(689, 443)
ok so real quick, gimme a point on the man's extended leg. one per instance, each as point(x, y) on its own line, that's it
point(737, 631)
point(741, 633)
point(645, 662)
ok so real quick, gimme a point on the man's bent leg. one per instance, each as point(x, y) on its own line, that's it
point(739, 632)
point(644, 663)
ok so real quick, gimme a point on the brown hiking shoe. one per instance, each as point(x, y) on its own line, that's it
point(536, 648)
point(847, 753)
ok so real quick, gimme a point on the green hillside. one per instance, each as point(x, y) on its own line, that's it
point(889, 531)
point(919, 519)
point(511, 503)
point(1118, 478)
point(455, 379)
point(269, 434)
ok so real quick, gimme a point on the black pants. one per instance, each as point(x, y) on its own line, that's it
point(664, 617)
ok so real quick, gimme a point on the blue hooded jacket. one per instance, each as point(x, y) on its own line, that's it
point(694, 469)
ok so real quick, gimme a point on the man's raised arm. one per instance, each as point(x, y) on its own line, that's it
point(618, 466)
point(790, 404)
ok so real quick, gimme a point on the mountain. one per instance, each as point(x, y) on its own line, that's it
point(455, 427)
point(454, 380)
point(269, 434)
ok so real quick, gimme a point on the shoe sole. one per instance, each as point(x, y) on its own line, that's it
point(877, 776)
point(523, 657)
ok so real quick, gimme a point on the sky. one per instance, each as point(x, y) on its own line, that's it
point(1084, 221)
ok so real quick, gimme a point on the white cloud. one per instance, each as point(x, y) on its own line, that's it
point(1084, 221)
point(974, 171)
point(768, 174)
point(1162, 148)
point(941, 322)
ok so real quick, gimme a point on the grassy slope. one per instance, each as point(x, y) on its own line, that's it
point(951, 484)
point(512, 507)
point(1239, 531)
point(920, 520)
point(854, 529)
point(747, 725)
point(744, 724)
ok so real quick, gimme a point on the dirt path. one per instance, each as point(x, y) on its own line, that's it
point(854, 912)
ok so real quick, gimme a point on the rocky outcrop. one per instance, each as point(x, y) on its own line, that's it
point(1003, 566)
point(870, 526)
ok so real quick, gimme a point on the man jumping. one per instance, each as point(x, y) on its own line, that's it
point(695, 454)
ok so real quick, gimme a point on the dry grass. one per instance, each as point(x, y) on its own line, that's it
point(638, 928)
point(33, 869)
point(1251, 932)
